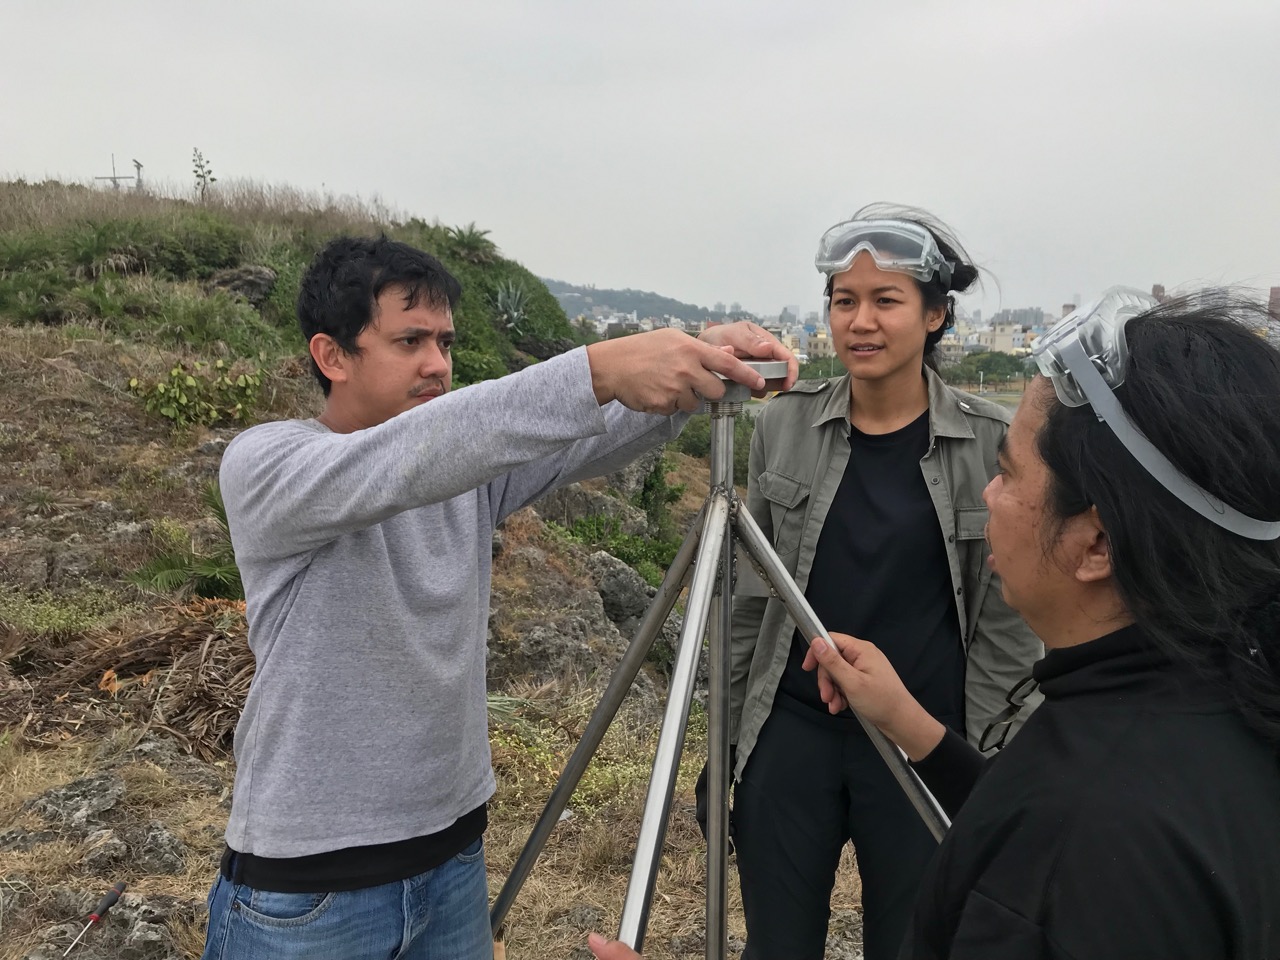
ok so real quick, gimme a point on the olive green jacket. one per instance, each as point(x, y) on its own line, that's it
point(799, 451)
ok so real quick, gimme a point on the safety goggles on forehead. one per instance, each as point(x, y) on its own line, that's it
point(1085, 356)
point(899, 246)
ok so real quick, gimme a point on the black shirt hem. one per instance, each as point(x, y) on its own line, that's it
point(356, 868)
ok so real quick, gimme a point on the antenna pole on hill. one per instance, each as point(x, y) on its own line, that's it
point(706, 562)
point(116, 178)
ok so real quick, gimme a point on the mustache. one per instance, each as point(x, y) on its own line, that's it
point(434, 385)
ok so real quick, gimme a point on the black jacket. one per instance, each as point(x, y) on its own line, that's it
point(1134, 816)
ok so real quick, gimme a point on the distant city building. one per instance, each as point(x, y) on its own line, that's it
point(811, 318)
point(1157, 291)
point(1273, 304)
point(719, 307)
point(950, 348)
point(621, 325)
point(1012, 331)
point(735, 307)
point(819, 346)
point(976, 317)
point(1068, 308)
point(1022, 317)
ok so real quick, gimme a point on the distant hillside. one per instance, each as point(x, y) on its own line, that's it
point(580, 300)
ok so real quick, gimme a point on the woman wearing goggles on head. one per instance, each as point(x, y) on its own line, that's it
point(870, 489)
point(1137, 815)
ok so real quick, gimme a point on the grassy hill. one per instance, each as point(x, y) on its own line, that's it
point(138, 267)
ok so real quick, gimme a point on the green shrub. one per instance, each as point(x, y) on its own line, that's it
point(472, 366)
point(189, 245)
point(200, 393)
point(650, 557)
point(194, 246)
point(179, 568)
point(46, 615)
point(35, 295)
point(111, 298)
point(655, 495)
point(695, 441)
point(281, 306)
point(185, 315)
point(28, 251)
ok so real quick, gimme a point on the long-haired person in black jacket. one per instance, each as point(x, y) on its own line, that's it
point(1134, 526)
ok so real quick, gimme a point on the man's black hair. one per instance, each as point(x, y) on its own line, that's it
point(340, 289)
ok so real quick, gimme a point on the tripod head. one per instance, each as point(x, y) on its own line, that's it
point(773, 371)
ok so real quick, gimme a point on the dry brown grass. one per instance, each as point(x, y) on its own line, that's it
point(152, 794)
point(586, 863)
point(693, 474)
point(246, 202)
point(186, 677)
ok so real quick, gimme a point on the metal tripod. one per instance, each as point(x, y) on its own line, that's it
point(705, 558)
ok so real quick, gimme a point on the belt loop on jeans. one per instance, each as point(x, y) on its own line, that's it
point(232, 866)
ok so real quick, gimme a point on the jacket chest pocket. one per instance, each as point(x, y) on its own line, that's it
point(788, 499)
point(971, 543)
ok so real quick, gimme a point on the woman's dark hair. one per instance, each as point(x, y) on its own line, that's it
point(936, 293)
point(340, 289)
point(1204, 386)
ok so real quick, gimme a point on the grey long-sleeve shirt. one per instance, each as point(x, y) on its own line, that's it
point(366, 565)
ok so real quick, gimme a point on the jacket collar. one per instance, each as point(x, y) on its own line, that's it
point(946, 413)
point(1124, 665)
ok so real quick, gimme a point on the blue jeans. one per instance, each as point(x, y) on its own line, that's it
point(442, 914)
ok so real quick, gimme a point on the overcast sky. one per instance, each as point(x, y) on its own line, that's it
point(699, 149)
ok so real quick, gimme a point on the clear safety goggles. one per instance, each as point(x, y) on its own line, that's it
point(1085, 355)
point(899, 246)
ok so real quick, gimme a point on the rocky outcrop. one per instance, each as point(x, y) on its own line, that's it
point(576, 502)
point(626, 597)
point(251, 283)
point(78, 807)
point(629, 481)
point(137, 928)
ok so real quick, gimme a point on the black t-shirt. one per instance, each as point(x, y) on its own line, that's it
point(881, 573)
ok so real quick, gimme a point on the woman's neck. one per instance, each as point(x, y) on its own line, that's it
point(883, 406)
point(1085, 615)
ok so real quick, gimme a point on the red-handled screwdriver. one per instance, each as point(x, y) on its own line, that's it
point(100, 911)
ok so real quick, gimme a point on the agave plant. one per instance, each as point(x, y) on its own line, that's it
point(511, 307)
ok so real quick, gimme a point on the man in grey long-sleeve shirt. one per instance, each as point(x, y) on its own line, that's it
point(363, 538)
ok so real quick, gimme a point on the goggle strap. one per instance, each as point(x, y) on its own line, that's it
point(1108, 409)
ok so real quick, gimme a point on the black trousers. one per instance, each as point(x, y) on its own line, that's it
point(811, 785)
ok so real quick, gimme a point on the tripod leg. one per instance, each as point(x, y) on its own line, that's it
point(610, 702)
point(666, 761)
point(775, 574)
point(718, 771)
point(719, 632)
